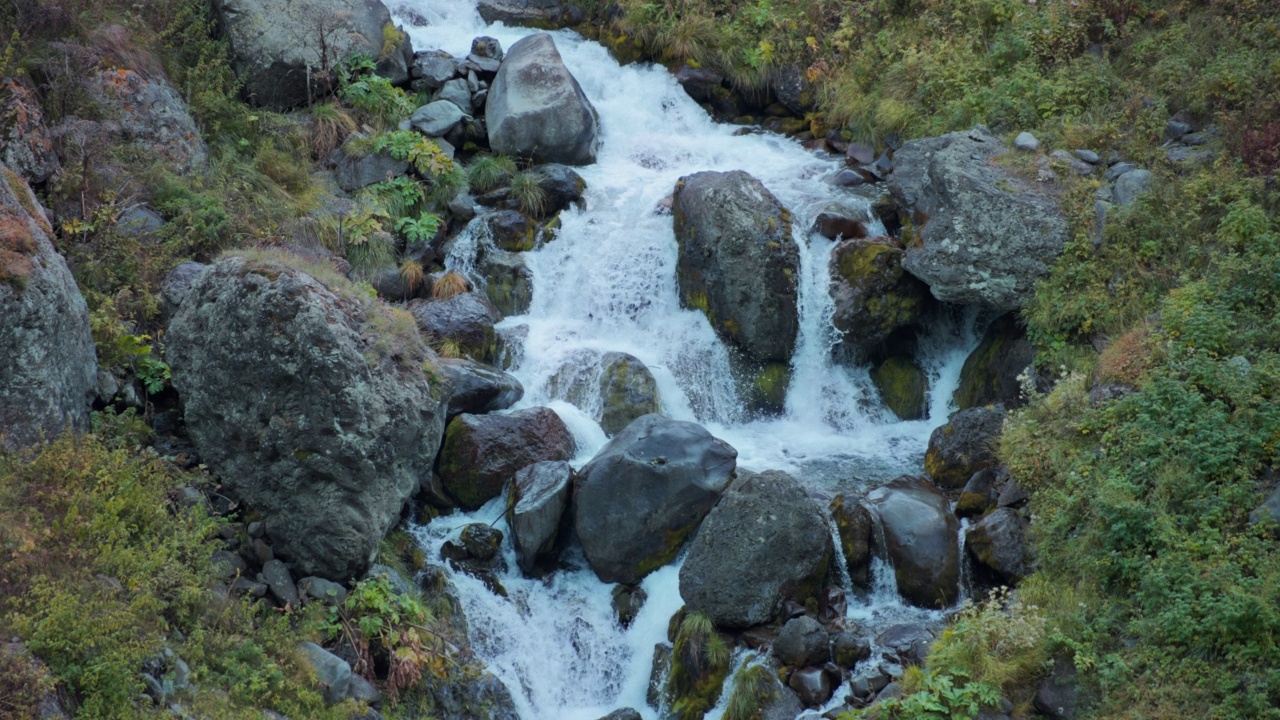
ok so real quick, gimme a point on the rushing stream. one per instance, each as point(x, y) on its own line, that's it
point(607, 283)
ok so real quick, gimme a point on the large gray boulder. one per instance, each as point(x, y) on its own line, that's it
point(922, 538)
point(764, 542)
point(479, 388)
point(538, 500)
point(536, 109)
point(481, 453)
point(614, 387)
point(998, 542)
point(985, 234)
point(466, 319)
point(278, 46)
point(150, 115)
point(310, 402)
point(544, 14)
point(354, 170)
point(645, 491)
point(49, 374)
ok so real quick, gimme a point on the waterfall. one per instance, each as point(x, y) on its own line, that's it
point(606, 283)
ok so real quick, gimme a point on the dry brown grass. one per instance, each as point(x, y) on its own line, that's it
point(16, 247)
point(451, 284)
point(1126, 359)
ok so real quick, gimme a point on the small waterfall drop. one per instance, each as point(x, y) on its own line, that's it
point(606, 283)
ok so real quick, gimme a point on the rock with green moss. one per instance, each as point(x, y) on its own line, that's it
point(874, 296)
point(699, 666)
point(508, 281)
point(853, 524)
point(921, 538)
point(466, 319)
point(902, 385)
point(738, 264)
point(481, 453)
point(643, 494)
point(49, 374)
point(509, 230)
point(615, 388)
point(768, 390)
point(965, 445)
point(990, 373)
point(764, 543)
point(310, 402)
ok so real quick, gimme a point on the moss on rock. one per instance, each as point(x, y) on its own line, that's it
point(769, 388)
point(902, 385)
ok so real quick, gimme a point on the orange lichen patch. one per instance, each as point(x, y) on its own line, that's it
point(1126, 359)
point(26, 199)
point(16, 248)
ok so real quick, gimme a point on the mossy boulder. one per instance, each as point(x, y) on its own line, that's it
point(510, 230)
point(902, 385)
point(998, 543)
point(615, 388)
point(768, 390)
point(508, 281)
point(737, 263)
point(854, 525)
point(481, 453)
point(466, 319)
point(965, 445)
point(874, 296)
point(764, 543)
point(49, 375)
point(310, 401)
point(699, 665)
point(990, 373)
point(643, 494)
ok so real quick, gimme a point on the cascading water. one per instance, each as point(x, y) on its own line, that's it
point(607, 283)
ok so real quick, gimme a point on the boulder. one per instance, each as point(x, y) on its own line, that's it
point(848, 649)
point(151, 116)
point(310, 402)
point(470, 695)
point(508, 281)
point(457, 92)
point(738, 264)
point(965, 445)
point(539, 495)
point(333, 674)
point(854, 526)
point(26, 145)
point(466, 319)
point(563, 186)
point(431, 69)
point(902, 385)
point(813, 685)
point(990, 373)
point(543, 14)
point(1026, 142)
point(614, 387)
point(276, 45)
point(437, 118)
point(536, 108)
point(49, 375)
point(628, 601)
point(984, 236)
point(281, 583)
point(509, 230)
point(481, 453)
point(802, 641)
point(479, 388)
point(998, 543)
point(1057, 695)
point(645, 492)
point(764, 543)
point(921, 536)
point(873, 295)
point(623, 714)
point(979, 494)
point(354, 170)
point(1132, 185)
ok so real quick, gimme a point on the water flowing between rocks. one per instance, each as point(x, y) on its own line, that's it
point(606, 282)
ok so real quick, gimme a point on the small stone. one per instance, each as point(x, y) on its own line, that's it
point(813, 685)
point(803, 641)
point(1088, 156)
point(847, 649)
point(627, 603)
point(482, 541)
point(847, 178)
point(281, 584)
point(487, 47)
point(257, 529)
point(1026, 142)
point(1131, 185)
point(326, 591)
point(1120, 168)
point(1174, 130)
point(861, 154)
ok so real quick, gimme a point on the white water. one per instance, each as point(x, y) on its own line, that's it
point(607, 283)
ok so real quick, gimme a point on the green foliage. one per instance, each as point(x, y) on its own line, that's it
point(753, 689)
point(934, 697)
point(528, 194)
point(420, 229)
point(372, 95)
point(699, 666)
point(488, 172)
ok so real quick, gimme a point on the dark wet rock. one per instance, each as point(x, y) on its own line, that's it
point(921, 535)
point(471, 695)
point(645, 492)
point(848, 649)
point(990, 373)
point(623, 714)
point(543, 14)
point(342, 420)
point(903, 386)
point(979, 494)
point(984, 235)
point(466, 319)
point(480, 541)
point(432, 69)
point(802, 641)
point(481, 453)
point(563, 186)
point(965, 445)
point(276, 46)
point(764, 543)
point(510, 230)
point(281, 583)
point(479, 388)
point(627, 603)
point(1057, 696)
point(508, 280)
point(854, 525)
point(909, 642)
point(615, 388)
point(536, 108)
point(998, 543)
point(874, 296)
point(813, 685)
point(539, 499)
point(49, 375)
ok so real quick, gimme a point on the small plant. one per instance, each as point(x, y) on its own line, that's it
point(753, 689)
point(450, 348)
point(528, 193)
point(699, 666)
point(400, 197)
point(391, 633)
point(412, 275)
point(420, 229)
point(449, 285)
point(372, 94)
point(488, 172)
point(332, 126)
